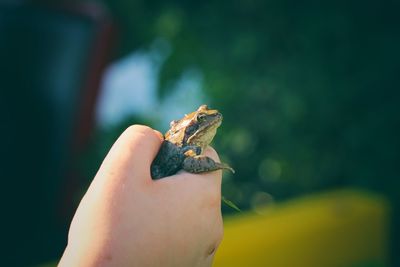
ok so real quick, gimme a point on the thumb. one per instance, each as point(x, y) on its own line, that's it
point(133, 153)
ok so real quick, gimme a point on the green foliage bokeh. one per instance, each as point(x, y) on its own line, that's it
point(309, 90)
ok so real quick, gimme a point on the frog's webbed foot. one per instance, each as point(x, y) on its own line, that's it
point(198, 164)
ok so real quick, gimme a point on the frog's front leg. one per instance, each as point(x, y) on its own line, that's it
point(198, 164)
point(191, 151)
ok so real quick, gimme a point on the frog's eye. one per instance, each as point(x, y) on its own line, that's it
point(201, 117)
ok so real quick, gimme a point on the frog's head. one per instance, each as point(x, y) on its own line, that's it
point(204, 126)
point(197, 128)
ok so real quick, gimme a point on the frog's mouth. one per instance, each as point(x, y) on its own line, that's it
point(206, 131)
point(212, 121)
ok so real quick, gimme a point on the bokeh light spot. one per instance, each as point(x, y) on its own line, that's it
point(269, 170)
point(260, 200)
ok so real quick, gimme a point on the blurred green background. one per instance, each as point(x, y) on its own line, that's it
point(309, 91)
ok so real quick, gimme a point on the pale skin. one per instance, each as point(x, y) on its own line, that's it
point(128, 219)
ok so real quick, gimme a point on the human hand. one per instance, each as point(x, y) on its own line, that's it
point(128, 219)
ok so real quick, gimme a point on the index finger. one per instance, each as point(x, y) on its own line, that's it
point(214, 176)
point(206, 182)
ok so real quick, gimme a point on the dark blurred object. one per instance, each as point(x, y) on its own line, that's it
point(50, 67)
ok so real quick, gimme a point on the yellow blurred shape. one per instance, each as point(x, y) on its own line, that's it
point(340, 228)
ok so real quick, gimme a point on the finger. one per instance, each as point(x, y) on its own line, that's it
point(134, 151)
point(210, 152)
point(215, 176)
point(203, 190)
point(208, 181)
point(160, 135)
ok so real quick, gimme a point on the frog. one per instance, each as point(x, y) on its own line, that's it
point(184, 144)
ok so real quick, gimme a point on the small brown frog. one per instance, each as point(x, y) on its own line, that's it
point(185, 142)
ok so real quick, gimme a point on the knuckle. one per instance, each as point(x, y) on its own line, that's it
point(219, 234)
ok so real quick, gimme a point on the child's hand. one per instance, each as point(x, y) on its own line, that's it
point(128, 219)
